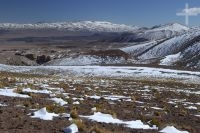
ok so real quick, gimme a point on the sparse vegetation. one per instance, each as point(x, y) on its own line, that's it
point(74, 113)
point(155, 121)
point(138, 108)
point(56, 108)
point(80, 124)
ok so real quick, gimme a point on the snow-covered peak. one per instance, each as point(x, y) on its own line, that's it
point(175, 27)
point(94, 26)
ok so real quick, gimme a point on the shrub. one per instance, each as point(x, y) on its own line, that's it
point(74, 114)
point(80, 124)
point(155, 121)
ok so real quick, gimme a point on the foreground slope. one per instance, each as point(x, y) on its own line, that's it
point(97, 98)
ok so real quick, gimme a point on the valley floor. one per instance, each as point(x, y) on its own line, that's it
point(98, 98)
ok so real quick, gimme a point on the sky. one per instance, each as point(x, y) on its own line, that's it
point(131, 12)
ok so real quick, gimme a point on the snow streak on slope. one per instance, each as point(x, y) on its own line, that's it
point(93, 26)
point(139, 48)
point(170, 59)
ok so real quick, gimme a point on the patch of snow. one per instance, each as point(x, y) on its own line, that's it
point(170, 102)
point(115, 97)
point(59, 101)
point(107, 118)
point(145, 90)
point(188, 91)
point(139, 102)
point(94, 97)
point(192, 107)
point(94, 109)
point(197, 104)
point(77, 102)
point(128, 100)
point(11, 93)
point(44, 115)
point(36, 91)
point(2, 105)
point(172, 129)
point(170, 59)
point(157, 108)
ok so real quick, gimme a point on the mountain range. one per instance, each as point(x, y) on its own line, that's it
point(168, 45)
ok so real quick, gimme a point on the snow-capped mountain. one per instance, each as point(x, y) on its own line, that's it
point(182, 50)
point(154, 33)
point(174, 27)
point(93, 26)
point(165, 31)
point(170, 44)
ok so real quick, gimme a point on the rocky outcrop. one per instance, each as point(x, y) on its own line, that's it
point(30, 56)
point(41, 59)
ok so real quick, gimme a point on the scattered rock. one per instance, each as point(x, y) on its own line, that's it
point(71, 129)
point(19, 53)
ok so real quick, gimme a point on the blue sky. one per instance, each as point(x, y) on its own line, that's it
point(132, 12)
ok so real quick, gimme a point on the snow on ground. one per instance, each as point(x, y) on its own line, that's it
point(77, 102)
point(187, 91)
point(11, 93)
point(94, 109)
point(109, 97)
point(139, 48)
point(192, 107)
point(36, 91)
point(44, 115)
point(157, 108)
point(2, 105)
point(107, 118)
point(107, 71)
point(85, 60)
point(170, 59)
point(115, 97)
point(59, 101)
point(172, 129)
point(94, 97)
point(197, 103)
point(197, 115)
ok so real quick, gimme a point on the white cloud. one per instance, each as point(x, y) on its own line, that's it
point(195, 10)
